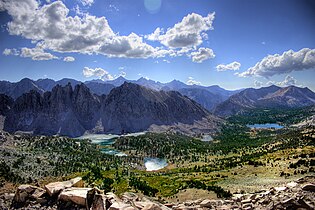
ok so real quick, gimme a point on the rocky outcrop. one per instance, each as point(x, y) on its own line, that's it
point(6, 103)
point(55, 188)
point(75, 195)
point(128, 108)
point(295, 195)
point(63, 111)
point(28, 192)
point(96, 200)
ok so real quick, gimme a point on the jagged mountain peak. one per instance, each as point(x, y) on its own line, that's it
point(128, 108)
point(142, 79)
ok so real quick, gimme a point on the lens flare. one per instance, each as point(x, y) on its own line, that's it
point(153, 6)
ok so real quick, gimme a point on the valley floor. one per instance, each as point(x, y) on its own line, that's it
point(238, 160)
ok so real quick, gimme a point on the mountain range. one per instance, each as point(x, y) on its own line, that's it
point(128, 108)
point(266, 98)
point(101, 87)
point(72, 108)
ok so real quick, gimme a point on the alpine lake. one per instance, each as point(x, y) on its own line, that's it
point(105, 141)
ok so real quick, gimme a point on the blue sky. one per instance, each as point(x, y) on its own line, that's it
point(234, 44)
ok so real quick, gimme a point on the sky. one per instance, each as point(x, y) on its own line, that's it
point(231, 43)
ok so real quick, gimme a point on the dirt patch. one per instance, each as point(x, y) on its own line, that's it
point(191, 194)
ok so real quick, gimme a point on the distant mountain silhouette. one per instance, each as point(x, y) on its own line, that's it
point(205, 98)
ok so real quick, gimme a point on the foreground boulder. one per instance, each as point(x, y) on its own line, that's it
point(28, 192)
point(309, 187)
point(295, 195)
point(55, 188)
point(96, 200)
point(75, 195)
point(100, 202)
point(121, 206)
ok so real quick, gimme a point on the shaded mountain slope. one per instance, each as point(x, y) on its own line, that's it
point(205, 98)
point(128, 108)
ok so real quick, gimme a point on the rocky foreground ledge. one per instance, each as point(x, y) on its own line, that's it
point(73, 195)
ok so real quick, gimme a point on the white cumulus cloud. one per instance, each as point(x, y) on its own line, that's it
point(87, 2)
point(131, 46)
point(187, 33)
point(122, 74)
point(97, 72)
point(258, 83)
point(36, 54)
point(192, 81)
point(155, 35)
point(288, 62)
point(51, 27)
point(101, 73)
point(12, 51)
point(234, 66)
point(288, 81)
point(68, 59)
point(202, 54)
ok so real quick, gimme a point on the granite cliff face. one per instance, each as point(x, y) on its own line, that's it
point(128, 108)
point(62, 111)
point(5, 104)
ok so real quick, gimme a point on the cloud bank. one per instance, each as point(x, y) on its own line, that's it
point(288, 62)
point(50, 27)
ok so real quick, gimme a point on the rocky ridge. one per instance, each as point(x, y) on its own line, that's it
point(73, 195)
point(266, 98)
point(69, 111)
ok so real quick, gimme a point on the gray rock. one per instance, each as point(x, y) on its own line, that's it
point(121, 206)
point(95, 199)
point(206, 203)
point(100, 202)
point(309, 187)
point(55, 188)
point(75, 195)
point(151, 206)
point(112, 198)
point(246, 201)
point(26, 192)
point(129, 196)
